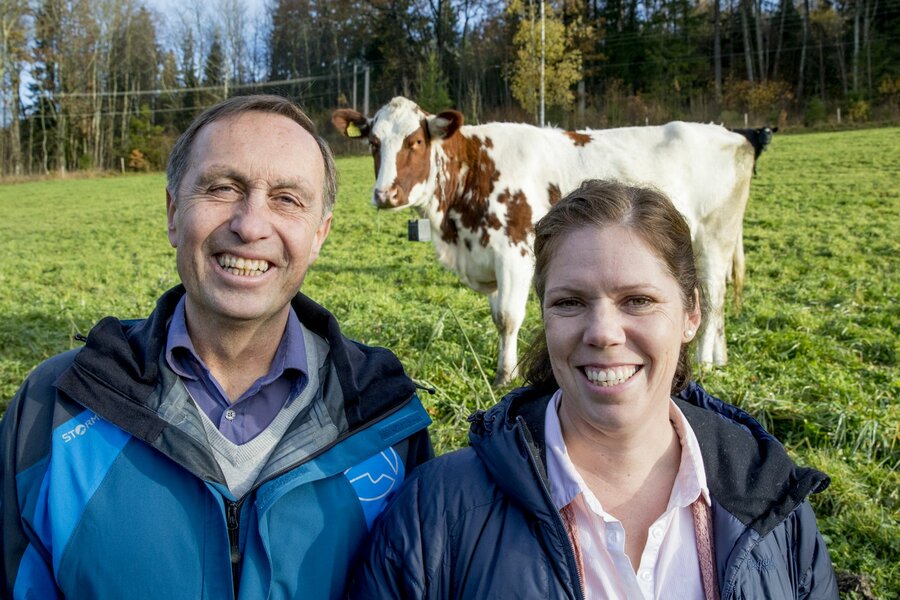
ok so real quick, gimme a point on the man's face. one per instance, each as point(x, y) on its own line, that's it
point(247, 219)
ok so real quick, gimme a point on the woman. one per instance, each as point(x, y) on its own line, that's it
point(610, 476)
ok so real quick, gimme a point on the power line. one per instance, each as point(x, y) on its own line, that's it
point(206, 88)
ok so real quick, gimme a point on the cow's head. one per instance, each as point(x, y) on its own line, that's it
point(766, 134)
point(400, 136)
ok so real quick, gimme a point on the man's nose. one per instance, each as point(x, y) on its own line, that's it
point(252, 218)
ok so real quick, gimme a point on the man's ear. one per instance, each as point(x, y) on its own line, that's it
point(170, 219)
point(320, 236)
point(444, 124)
point(351, 123)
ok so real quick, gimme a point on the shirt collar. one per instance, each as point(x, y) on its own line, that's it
point(566, 483)
point(691, 479)
point(290, 354)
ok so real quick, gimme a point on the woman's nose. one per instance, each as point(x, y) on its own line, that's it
point(604, 327)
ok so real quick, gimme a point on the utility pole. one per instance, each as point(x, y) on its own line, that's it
point(366, 91)
point(354, 85)
point(542, 63)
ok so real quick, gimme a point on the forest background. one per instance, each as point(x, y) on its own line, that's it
point(108, 84)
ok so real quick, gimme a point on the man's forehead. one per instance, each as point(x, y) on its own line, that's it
point(262, 123)
point(257, 149)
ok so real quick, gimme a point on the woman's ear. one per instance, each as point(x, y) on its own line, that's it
point(692, 320)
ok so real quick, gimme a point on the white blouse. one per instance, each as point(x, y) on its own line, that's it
point(669, 566)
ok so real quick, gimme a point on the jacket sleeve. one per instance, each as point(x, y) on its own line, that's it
point(392, 565)
point(820, 582)
point(27, 570)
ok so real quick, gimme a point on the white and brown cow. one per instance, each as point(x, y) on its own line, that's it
point(483, 187)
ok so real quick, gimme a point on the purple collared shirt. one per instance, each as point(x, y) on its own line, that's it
point(245, 418)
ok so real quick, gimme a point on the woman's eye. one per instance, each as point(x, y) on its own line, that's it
point(566, 303)
point(640, 302)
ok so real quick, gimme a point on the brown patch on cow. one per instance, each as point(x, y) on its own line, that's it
point(449, 232)
point(413, 163)
point(467, 194)
point(488, 142)
point(375, 145)
point(553, 193)
point(468, 243)
point(523, 251)
point(518, 216)
point(485, 238)
point(580, 139)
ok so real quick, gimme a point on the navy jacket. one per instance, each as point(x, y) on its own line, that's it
point(108, 489)
point(480, 523)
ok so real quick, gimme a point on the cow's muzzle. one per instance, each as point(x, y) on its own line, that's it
point(389, 198)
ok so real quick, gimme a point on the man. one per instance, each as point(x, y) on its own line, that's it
point(234, 443)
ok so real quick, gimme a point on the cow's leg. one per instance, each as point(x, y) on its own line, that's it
point(508, 305)
point(713, 269)
point(738, 269)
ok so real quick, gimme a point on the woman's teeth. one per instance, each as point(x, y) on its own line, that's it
point(609, 377)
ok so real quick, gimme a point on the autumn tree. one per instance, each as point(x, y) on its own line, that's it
point(561, 63)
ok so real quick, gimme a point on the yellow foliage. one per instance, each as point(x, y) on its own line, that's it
point(760, 98)
point(562, 63)
point(137, 161)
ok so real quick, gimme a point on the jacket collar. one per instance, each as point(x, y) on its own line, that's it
point(117, 373)
point(748, 471)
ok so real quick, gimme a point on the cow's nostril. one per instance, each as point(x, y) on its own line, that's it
point(383, 198)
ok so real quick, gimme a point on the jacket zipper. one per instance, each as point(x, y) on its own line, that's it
point(233, 509)
point(233, 516)
point(560, 527)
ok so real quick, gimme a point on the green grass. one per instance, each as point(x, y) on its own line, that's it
point(813, 353)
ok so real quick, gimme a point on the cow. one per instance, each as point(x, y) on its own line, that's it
point(482, 187)
point(759, 138)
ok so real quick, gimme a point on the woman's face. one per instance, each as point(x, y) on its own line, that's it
point(615, 323)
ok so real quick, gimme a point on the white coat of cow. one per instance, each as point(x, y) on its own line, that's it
point(483, 187)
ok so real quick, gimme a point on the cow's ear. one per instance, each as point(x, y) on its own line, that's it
point(444, 124)
point(351, 123)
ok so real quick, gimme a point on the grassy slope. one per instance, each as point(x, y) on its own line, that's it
point(813, 352)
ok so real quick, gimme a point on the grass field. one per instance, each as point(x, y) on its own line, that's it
point(813, 354)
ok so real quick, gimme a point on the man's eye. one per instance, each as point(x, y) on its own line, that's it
point(223, 190)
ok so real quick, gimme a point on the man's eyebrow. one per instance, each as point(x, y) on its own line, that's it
point(298, 184)
point(215, 172)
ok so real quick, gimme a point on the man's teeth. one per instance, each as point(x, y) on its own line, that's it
point(243, 266)
point(609, 377)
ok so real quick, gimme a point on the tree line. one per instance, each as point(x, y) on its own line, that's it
point(108, 84)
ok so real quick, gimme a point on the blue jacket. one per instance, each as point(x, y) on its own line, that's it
point(107, 491)
point(480, 523)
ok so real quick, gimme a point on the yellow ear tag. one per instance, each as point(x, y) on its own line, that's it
point(353, 131)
